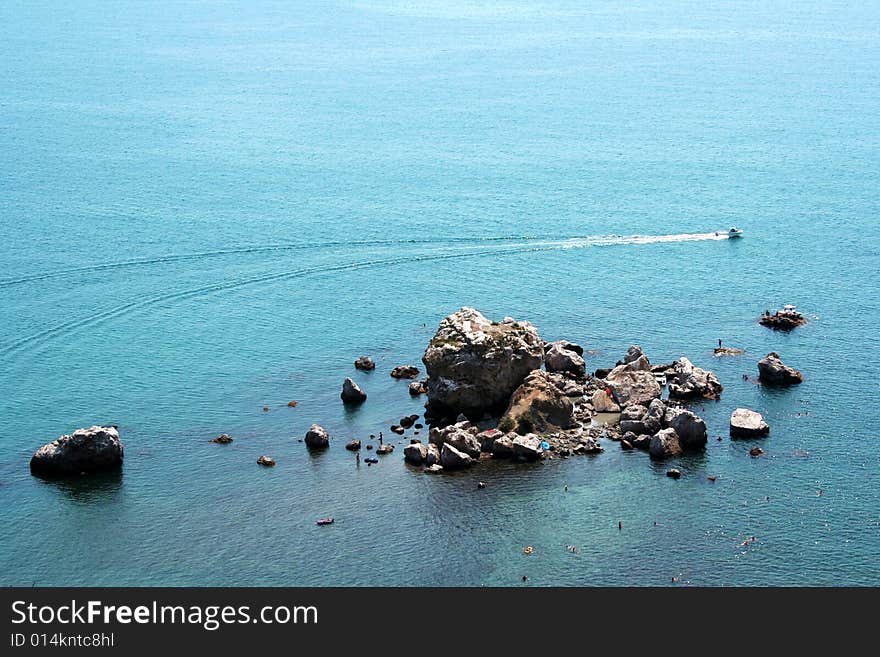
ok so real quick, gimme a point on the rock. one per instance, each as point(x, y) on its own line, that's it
point(783, 320)
point(365, 363)
point(675, 473)
point(266, 461)
point(352, 393)
point(415, 453)
point(559, 358)
point(631, 420)
point(434, 468)
point(756, 451)
point(603, 402)
point(222, 439)
point(772, 371)
point(481, 484)
point(462, 436)
point(396, 428)
point(385, 448)
point(537, 405)
point(408, 421)
point(664, 444)
point(474, 365)
point(405, 372)
point(369, 447)
point(633, 354)
point(625, 444)
point(589, 445)
point(633, 383)
point(689, 382)
point(690, 429)
point(502, 448)
point(487, 439)
point(433, 455)
point(317, 437)
point(292, 404)
point(568, 346)
point(747, 424)
point(95, 449)
point(642, 441)
point(451, 458)
point(417, 388)
point(527, 448)
point(728, 351)
point(653, 419)
point(353, 445)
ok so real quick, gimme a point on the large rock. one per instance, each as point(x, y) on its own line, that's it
point(772, 371)
point(95, 449)
point(690, 429)
point(527, 448)
point(502, 448)
point(747, 424)
point(664, 444)
point(415, 453)
point(433, 455)
point(537, 405)
point(559, 357)
point(689, 382)
point(633, 382)
point(487, 439)
point(451, 458)
point(639, 419)
point(317, 437)
point(604, 403)
point(462, 436)
point(352, 393)
point(474, 364)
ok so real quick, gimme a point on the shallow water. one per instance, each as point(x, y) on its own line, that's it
point(211, 209)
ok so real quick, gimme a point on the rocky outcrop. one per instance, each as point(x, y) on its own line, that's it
point(772, 371)
point(452, 459)
point(537, 405)
point(352, 393)
point(462, 436)
point(405, 372)
point(527, 448)
point(664, 444)
point(603, 402)
point(633, 382)
point(317, 437)
point(690, 429)
point(747, 424)
point(686, 381)
point(365, 363)
point(782, 320)
point(415, 453)
point(560, 357)
point(474, 364)
point(96, 449)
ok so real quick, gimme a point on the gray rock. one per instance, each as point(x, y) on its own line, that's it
point(631, 419)
point(487, 439)
point(747, 424)
point(462, 436)
point(686, 381)
point(415, 453)
point(691, 430)
point(417, 388)
point(405, 372)
point(266, 461)
point(502, 448)
point(633, 353)
point(642, 441)
point(433, 455)
point(772, 371)
point(604, 403)
point(664, 444)
point(95, 449)
point(527, 448)
point(317, 437)
point(434, 468)
point(451, 458)
point(633, 383)
point(352, 393)
point(365, 363)
point(559, 358)
point(353, 445)
point(474, 365)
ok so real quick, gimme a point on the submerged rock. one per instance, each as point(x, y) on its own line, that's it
point(747, 424)
point(96, 449)
point(474, 364)
point(537, 405)
point(560, 357)
point(687, 381)
point(674, 473)
point(405, 372)
point(352, 393)
point(772, 371)
point(317, 437)
point(365, 363)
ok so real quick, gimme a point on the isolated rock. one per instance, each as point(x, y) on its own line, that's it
point(95, 449)
point(558, 357)
point(772, 371)
point(317, 437)
point(405, 372)
point(604, 403)
point(664, 444)
point(408, 421)
point(747, 424)
point(689, 382)
point(474, 364)
point(353, 445)
point(451, 458)
point(756, 451)
point(537, 405)
point(674, 473)
point(365, 363)
point(415, 453)
point(352, 393)
point(385, 448)
point(222, 439)
point(690, 429)
point(527, 448)
point(266, 461)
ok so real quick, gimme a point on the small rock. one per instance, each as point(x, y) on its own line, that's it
point(434, 468)
point(267, 461)
point(353, 445)
point(369, 447)
point(317, 437)
point(415, 453)
point(397, 429)
point(756, 451)
point(365, 363)
point(417, 388)
point(408, 421)
point(481, 484)
point(675, 473)
point(222, 439)
point(772, 371)
point(747, 424)
point(292, 404)
point(265, 408)
point(385, 448)
point(405, 372)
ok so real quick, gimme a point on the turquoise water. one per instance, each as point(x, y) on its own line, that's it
point(211, 208)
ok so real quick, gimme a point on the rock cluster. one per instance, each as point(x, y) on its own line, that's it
point(689, 382)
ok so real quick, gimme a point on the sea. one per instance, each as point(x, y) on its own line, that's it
point(210, 209)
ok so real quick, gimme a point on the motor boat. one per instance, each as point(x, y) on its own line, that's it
point(733, 232)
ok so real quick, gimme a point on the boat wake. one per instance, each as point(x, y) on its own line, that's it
point(525, 245)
